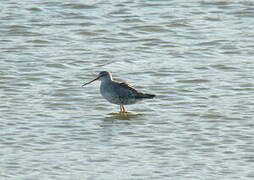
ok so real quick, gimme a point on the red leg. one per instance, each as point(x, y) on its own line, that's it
point(123, 109)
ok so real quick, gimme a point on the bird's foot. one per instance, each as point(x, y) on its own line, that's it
point(122, 112)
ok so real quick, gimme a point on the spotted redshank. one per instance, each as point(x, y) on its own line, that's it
point(118, 92)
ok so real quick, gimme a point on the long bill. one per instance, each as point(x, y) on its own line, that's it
point(91, 81)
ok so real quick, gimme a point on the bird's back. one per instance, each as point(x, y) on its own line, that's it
point(122, 93)
point(135, 93)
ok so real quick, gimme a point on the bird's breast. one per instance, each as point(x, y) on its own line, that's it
point(115, 95)
point(109, 94)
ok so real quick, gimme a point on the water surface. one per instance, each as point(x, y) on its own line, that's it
point(196, 56)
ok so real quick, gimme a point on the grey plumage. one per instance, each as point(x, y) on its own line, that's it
point(118, 92)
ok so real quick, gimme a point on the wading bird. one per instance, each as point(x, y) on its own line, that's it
point(118, 92)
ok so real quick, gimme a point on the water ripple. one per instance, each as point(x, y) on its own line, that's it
point(195, 56)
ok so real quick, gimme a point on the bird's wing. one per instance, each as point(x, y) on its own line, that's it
point(134, 92)
point(127, 87)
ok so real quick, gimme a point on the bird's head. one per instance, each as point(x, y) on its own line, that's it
point(103, 75)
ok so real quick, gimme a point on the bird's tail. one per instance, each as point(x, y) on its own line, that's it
point(145, 95)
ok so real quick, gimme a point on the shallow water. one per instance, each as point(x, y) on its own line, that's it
point(196, 56)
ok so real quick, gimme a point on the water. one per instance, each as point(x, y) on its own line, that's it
point(196, 56)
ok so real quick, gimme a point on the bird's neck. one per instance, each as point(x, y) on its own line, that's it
point(106, 80)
